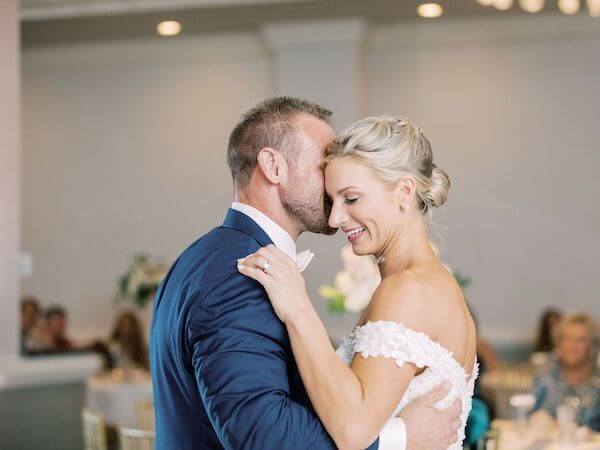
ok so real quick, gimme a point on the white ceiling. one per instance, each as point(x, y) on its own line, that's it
point(54, 9)
point(57, 22)
point(41, 10)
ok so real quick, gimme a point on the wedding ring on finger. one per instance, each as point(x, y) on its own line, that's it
point(265, 265)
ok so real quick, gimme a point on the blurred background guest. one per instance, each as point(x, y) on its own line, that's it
point(56, 330)
point(487, 356)
point(548, 321)
point(127, 343)
point(30, 325)
point(482, 410)
point(573, 374)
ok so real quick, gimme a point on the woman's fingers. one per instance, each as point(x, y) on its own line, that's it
point(254, 273)
point(268, 256)
point(273, 254)
point(283, 257)
point(255, 260)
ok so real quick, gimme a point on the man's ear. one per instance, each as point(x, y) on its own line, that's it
point(272, 165)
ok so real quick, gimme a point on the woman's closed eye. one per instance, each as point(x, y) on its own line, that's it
point(350, 200)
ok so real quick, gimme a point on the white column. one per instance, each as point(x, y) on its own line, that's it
point(322, 61)
point(9, 178)
point(16, 372)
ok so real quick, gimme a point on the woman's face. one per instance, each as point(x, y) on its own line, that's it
point(364, 207)
point(574, 345)
point(56, 324)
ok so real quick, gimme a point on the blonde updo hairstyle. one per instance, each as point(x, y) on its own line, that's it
point(394, 147)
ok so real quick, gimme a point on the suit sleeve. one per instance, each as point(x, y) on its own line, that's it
point(241, 359)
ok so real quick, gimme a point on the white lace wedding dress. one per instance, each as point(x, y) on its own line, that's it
point(395, 341)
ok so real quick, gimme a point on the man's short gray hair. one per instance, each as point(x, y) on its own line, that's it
point(268, 124)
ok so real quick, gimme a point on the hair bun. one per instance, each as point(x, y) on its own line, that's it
point(439, 184)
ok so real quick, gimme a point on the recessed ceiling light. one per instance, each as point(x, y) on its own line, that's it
point(486, 2)
point(532, 6)
point(430, 10)
point(569, 6)
point(168, 28)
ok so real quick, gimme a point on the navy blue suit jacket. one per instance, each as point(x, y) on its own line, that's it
point(223, 371)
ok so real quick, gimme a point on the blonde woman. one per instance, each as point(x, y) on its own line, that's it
point(417, 330)
point(574, 373)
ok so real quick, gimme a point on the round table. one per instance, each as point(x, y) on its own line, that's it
point(115, 395)
point(500, 385)
point(511, 439)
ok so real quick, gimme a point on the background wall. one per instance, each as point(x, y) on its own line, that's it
point(124, 151)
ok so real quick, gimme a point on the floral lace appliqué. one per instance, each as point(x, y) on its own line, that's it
point(395, 341)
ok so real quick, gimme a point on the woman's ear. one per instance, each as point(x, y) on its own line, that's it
point(405, 190)
point(272, 165)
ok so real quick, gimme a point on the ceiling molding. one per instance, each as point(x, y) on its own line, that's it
point(145, 52)
point(319, 32)
point(37, 10)
point(486, 31)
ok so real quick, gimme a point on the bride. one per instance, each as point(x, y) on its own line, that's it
point(417, 330)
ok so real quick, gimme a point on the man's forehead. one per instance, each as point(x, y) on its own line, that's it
point(314, 128)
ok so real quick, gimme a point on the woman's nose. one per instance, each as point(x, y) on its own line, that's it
point(337, 216)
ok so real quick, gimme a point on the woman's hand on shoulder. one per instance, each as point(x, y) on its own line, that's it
point(280, 277)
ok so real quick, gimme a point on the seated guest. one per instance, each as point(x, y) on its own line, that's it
point(487, 357)
point(573, 374)
point(30, 329)
point(549, 320)
point(128, 343)
point(55, 330)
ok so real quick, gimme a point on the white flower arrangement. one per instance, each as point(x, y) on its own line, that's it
point(138, 285)
point(354, 285)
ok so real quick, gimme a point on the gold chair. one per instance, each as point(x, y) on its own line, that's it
point(136, 439)
point(489, 441)
point(144, 411)
point(94, 430)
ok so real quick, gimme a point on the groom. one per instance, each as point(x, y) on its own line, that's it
point(223, 372)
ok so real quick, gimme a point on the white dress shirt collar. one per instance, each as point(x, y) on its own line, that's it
point(281, 239)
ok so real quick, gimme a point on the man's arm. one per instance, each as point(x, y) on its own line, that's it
point(241, 363)
point(427, 428)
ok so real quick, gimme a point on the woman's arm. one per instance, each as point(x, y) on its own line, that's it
point(354, 402)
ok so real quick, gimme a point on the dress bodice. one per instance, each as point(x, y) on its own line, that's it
point(395, 341)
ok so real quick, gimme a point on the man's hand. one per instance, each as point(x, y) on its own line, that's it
point(428, 428)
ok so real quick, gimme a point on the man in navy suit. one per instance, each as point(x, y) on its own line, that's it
point(223, 371)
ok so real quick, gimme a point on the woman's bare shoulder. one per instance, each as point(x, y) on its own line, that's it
point(403, 298)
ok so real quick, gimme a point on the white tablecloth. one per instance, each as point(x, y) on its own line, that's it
point(116, 398)
point(511, 439)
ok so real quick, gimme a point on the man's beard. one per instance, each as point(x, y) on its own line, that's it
point(312, 212)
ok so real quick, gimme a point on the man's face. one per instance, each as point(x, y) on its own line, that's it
point(304, 194)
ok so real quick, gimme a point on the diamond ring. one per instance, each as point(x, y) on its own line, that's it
point(266, 265)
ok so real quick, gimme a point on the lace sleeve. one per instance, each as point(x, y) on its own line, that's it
point(395, 341)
